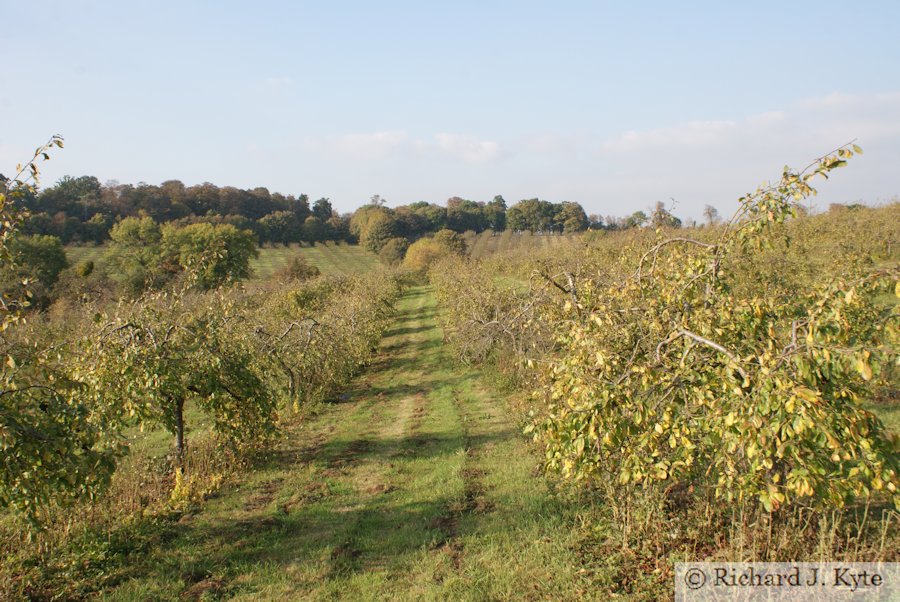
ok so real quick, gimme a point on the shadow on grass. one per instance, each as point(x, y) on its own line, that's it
point(341, 542)
point(331, 542)
point(415, 347)
point(405, 330)
point(423, 444)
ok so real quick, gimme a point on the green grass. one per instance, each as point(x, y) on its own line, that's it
point(888, 410)
point(417, 486)
point(77, 254)
point(890, 416)
point(330, 258)
point(490, 243)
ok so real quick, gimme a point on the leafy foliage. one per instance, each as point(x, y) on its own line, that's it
point(393, 252)
point(151, 358)
point(688, 364)
point(51, 450)
point(668, 375)
point(133, 257)
point(211, 255)
point(39, 258)
point(315, 336)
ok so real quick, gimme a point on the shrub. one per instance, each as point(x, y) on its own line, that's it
point(298, 269)
point(393, 252)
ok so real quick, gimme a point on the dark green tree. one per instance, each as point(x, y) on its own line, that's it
point(280, 227)
point(39, 258)
point(465, 215)
point(211, 255)
point(314, 229)
point(322, 209)
point(571, 218)
point(133, 259)
point(495, 214)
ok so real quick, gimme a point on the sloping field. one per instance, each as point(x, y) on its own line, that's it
point(489, 243)
point(330, 259)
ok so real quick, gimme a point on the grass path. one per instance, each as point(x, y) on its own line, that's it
point(417, 486)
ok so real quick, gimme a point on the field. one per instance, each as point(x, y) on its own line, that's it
point(489, 243)
point(330, 258)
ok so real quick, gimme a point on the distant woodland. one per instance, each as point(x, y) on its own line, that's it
point(82, 210)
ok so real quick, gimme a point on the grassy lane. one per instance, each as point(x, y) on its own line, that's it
point(417, 486)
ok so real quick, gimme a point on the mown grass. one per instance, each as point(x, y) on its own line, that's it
point(490, 243)
point(330, 258)
point(76, 254)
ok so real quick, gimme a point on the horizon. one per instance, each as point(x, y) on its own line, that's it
point(612, 107)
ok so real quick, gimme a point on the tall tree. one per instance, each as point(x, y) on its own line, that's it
point(464, 215)
point(531, 214)
point(322, 209)
point(495, 214)
point(571, 217)
point(379, 228)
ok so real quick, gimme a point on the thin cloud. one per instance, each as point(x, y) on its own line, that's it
point(687, 135)
point(825, 122)
point(467, 148)
point(400, 144)
point(696, 162)
point(838, 101)
point(373, 145)
point(714, 162)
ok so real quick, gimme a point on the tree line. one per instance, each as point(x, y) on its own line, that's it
point(82, 210)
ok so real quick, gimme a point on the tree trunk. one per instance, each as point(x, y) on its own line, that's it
point(179, 430)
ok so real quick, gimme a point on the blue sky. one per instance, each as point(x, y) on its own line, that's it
point(614, 105)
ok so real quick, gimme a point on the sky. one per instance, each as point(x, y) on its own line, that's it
point(616, 105)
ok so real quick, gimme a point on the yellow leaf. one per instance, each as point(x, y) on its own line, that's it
point(805, 393)
point(864, 369)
